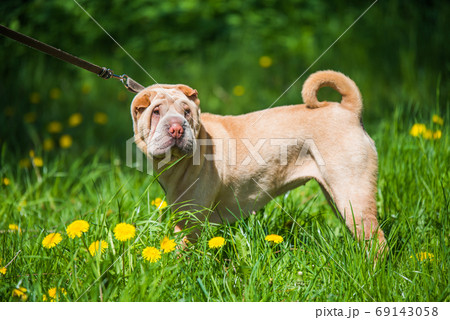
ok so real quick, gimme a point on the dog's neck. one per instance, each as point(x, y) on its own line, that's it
point(184, 170)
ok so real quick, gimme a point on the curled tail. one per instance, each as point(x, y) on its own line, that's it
point(351, 97)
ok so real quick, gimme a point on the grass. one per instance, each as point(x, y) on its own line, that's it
point(317, 261)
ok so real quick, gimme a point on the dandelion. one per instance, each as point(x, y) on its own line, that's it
point(20, 293)
point(98, 246)
point(216, 242)
point(38, 162)
point(100, 118)
point(35, 97)
point(29, 117)
point(438, 120)
point(168, 245)
point(2, 269)
point(417, 129)
point(6, 181)
point(75, 119)
point(51, 240)
point(13, 227)
point(238, 91)
point(53, 293)
point(265, 61)
point(54, 127)
point(48, 144)
point(65, 141)
point(151, 254)
point(77, 228)
point(421, 256)
point(274, 238)
point(159, 203)
point(437, 134)
point(124, 231)
point(55, 93)
point(24, 163)
point(428, 134)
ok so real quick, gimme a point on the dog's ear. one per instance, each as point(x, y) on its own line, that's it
point(192, 94)
point(140, 103)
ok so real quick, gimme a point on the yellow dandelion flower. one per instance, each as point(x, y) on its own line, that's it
point(3, 270)
point(428, 134)
point(417, 129)
point(35, 97)
point(124, 231)
point(38, 162)
point(77, 228)
point(24, 163)
point(55, 93)
point(151, 254)
point(13, 227)
point(65, 141)
point(216, 242)
point(75, 119)
point(265, 61)
point(159, 203)
point(48, 144)
point(98, 246)
point(168, 245)
point(29, 117)
point(438, 120)
point(100, 118)
point(51, 240)
point(86, 88)
point(274, 238)
point(20, 293)
point(437, 134)
point(421, 256)
point(53, 294)
point(6, 181)
point(54, 127)
point(238, 91)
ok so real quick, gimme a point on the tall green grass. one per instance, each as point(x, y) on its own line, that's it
point(317, 261)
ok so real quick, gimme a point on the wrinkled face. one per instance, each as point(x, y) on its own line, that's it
point(166, 120)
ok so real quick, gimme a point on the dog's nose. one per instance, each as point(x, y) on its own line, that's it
point(176, 130)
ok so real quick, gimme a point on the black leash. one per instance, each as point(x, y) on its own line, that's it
point(102, 72)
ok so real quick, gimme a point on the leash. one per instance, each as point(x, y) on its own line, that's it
point(102, 72)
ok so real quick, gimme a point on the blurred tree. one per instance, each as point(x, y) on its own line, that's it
point(396, 52)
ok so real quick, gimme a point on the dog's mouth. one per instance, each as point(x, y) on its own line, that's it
point(168, 145)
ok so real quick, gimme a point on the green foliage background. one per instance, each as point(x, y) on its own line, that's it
point(397, 52)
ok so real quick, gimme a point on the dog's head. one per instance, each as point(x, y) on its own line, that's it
point(166, 119)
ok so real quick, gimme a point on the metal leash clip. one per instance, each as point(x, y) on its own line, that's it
point(129, 83)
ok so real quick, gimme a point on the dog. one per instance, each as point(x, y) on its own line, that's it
point(222, 166)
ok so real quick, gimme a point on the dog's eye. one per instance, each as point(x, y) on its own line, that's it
point(156, 111)
point(187, 112)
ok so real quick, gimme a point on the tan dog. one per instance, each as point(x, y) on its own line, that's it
point(235, 164)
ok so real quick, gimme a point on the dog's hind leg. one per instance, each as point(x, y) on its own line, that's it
point(351, 189)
